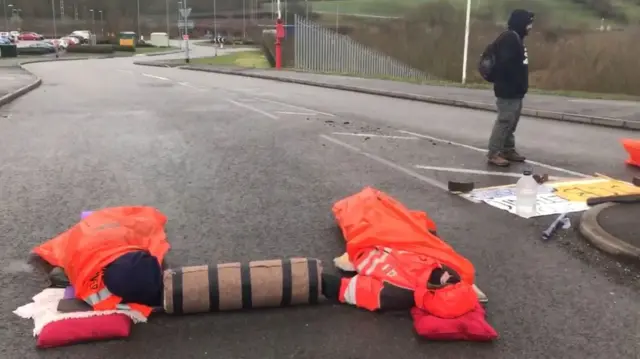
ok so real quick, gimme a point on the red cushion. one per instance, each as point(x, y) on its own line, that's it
point(79, 330)
point(471, 326)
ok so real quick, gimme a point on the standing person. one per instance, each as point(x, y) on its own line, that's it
point(510, 85)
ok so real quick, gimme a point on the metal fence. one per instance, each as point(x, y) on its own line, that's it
point(321, 50)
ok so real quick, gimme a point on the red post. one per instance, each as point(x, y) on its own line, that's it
point(279, 37)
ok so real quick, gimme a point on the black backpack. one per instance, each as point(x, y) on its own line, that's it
point(488, 59)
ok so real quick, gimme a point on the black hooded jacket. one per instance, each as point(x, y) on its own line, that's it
point(512, 68)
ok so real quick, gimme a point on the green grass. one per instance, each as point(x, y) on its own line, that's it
point(564, 12)
point(248, 59)
point(146, 50)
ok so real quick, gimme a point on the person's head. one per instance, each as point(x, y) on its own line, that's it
point(521, 21)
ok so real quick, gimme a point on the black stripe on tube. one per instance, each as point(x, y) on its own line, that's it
point(313, 280)
point(287, 283)
point(176, 280)
point(214, 289)
point(245, 278)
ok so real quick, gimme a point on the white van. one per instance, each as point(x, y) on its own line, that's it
point(85, 34)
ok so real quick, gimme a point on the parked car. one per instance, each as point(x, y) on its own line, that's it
point(9, 36)
point(5, 41)
point(30, 36)
point(38, 48)
point(85, 34)
point(78, 39)
point(58, 43)
point(70, 40)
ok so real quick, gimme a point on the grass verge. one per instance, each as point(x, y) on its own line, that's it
point(248, 59)
point(487, 86)
point(147, 50)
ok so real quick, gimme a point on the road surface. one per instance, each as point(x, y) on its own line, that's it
point(248, 169)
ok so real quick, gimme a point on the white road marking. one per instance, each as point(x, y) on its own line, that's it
point(156, 77)
point(293, 106)
point(186, 84)
point(480, 172)
point(374, 135)
point(477, 149)
point(389, 164)
point(296, 113)
point(248, 107)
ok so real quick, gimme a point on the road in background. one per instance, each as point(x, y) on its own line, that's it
point(248, 169)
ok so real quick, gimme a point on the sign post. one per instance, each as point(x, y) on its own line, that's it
point(279, 37)
point(185, 12)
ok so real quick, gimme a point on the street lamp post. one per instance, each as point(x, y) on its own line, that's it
point(53, 14)
point(4, 12)
point(179, 27)
point(166, 5)
point(465, 54)
point(93, 21)
point(138, 16)
point(101, 23)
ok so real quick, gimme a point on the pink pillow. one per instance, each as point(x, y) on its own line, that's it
point(471, 326)
point(81, 330)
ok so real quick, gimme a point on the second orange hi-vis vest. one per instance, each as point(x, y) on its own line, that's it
point(87, 248)
point(372, 219)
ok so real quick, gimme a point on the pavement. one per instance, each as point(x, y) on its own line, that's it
point(248, 169)
point(609, 113)
point(616, 221)
point(13, 79)
point(612, 227)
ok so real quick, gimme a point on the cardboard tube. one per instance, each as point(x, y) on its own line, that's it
point(233, 286)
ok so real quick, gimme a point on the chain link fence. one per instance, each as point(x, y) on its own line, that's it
point(319, 49)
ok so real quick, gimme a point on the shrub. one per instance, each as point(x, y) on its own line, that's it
point(33, 51)
point(143, 44)
point(432, 40)
point(8, 51)
point(91, 49)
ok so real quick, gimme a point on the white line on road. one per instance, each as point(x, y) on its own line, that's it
point(156, 77)
point(374, 135)
point(186, 84)
point(248, 107)
point(293, 106)
point(477, 149)
point(296, 113)
point(390, 164)
point(480, 172)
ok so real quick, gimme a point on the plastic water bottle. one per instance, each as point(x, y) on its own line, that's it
point(526, 195)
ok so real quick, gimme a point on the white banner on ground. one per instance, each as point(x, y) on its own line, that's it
point(547, 204)
point(482, 194)
point(504, 197)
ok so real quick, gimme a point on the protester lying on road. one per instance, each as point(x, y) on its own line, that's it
point(113, 258)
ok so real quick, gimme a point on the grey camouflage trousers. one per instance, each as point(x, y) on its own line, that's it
point(502, 138)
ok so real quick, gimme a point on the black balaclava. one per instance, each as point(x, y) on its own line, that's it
point(519, 20)
point(136, 277)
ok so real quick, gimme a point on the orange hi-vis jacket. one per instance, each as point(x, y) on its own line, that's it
point(87, 248)
point(394, 251)
point(391, 279)
point(382, 265)
point(372, 219)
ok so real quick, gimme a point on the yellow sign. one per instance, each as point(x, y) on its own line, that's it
point(126, 42)
point(581, 191)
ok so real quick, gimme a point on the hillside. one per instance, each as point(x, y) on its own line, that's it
point(565, 12)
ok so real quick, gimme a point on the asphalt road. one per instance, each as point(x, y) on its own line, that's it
point(248, 169)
